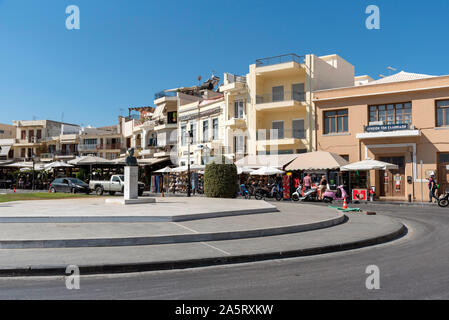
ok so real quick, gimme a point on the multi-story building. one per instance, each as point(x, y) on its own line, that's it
point(165, 119)
point(202, 114)
point(401, 119)
point(42, 138)
point(7, 139)
point(105, 142)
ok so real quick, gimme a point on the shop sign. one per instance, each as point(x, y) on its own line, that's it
point(387, 127)
point(360, 194)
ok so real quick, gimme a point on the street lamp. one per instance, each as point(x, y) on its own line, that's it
point(189, 182)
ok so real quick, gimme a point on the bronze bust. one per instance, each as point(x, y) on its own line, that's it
point(131, 161)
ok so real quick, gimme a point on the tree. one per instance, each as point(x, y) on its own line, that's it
point(220, 180)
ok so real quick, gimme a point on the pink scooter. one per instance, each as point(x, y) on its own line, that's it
point(339, 194)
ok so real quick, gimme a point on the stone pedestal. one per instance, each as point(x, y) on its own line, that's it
point(131, 180)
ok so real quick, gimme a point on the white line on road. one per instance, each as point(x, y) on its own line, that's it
point(187, 228)
point(211, 246)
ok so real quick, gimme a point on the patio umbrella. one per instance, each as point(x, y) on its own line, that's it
point(266, 171)
point(57, 164)
point(20, 165)
point(368, 164)
point(241, 170)
point(89, 161)
point(163, 171)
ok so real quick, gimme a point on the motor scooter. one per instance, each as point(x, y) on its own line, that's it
point(339, 194)
point(244, 192)
point(309, 195)
point(443, 200)
point(272, 191)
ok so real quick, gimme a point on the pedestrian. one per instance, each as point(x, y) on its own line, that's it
point(307, 182)
point(323, 186)
point(432, 188)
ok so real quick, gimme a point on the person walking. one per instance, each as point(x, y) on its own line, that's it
point(432, 188)
point(323, 186)
point(307, 182)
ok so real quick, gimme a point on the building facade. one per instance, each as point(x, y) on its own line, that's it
point(402, 119)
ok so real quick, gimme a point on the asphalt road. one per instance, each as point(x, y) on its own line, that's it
point(414, 267)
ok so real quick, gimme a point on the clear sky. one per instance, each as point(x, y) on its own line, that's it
point(126, 51)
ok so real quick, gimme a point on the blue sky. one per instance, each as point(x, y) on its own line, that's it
point(126, 51)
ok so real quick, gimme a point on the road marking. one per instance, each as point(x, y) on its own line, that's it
point(187, 228)
point(211, 246)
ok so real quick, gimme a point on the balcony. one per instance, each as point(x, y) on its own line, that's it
point(291, 57)
point(165, 125)
point(279, 137)
point(87, 147)
point(163, 94)
point(236, 123)
point(286, 99)
point(110, 146)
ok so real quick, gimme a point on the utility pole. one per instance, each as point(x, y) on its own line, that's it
point(189, 182)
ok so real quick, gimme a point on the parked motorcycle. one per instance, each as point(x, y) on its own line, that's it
point(271, 191)
point(339, 194)
point(309, 195)
point(443, 200)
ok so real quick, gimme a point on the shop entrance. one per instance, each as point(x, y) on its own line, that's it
point(392, 182)
point(443, 173)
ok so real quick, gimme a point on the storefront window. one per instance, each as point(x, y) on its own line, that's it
point(398, 113)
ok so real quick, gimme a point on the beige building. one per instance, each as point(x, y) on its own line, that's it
point(104, 142)
point(7, 139)
point(401, 119)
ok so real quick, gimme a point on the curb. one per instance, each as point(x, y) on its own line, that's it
point(172, 239)
point(196, 263)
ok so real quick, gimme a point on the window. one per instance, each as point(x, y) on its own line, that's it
point(22, 152)
point(278, 93)
point(298, 129)
point(395, 113)
point(215, 129)
point(443, 113)
point(238, 109)
point(278, 129)
point(172, 117)
point(90, 141)
point(239, 144)
point(183, 135)
point(443, 157)
point(23, 135)
point(298, 92)
point(193, 129)
point(345, 156)
point(206, 130)
point(336, 121)
point(39, 134)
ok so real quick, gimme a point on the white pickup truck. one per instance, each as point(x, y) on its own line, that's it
point(116, 184)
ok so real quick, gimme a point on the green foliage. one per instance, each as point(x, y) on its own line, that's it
point(220, 180)
point(81, 174)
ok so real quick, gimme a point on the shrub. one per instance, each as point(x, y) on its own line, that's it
point(81, 174)
point(220, 180)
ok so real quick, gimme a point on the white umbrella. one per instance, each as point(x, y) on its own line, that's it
point(241, 170)
point(165, 170)
point(89, 160)
point(193, 167)
point(57, 164)
point(266, 171)
point(20, 165)
point(368, 164)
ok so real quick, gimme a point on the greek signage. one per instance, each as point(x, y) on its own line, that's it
point(387, 127)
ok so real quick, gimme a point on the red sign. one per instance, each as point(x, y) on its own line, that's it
point(360, 194)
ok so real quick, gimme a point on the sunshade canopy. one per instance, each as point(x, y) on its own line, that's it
point(57, 164)
point(89, 160)
point(271, 160)
point(368, 164)
point(193, 167)
point(266, 171)
point(20, 165)
point(164, 170)
point(241, 170)
point(319, 160)
point(4, 150)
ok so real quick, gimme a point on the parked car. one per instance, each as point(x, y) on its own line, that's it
point(116, 184)
point(69, 185)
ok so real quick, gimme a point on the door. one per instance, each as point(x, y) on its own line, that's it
point(443, 173)
point(392, 182)
point(64, 186)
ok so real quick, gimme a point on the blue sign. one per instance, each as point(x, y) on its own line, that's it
point(387, 127)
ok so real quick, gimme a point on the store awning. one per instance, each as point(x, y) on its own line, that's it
point(266, 171)
point(151, 161)
point(272, 160)
point(89, 160)
point(159, 111)
point(319, 160)
point(368, 164)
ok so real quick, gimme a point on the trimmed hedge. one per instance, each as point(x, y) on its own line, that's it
point(220, 180)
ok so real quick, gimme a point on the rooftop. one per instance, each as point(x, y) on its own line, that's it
point(401, 76)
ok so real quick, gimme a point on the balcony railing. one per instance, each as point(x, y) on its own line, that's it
point(87, 147)
point(110, 146)
point(291, 57)
point(234, 78)
point(163, 94)
point(284, 96)
point(275, 134)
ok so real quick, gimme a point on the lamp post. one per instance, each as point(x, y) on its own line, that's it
point(189, 182)
point(32, 159)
